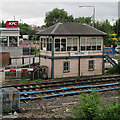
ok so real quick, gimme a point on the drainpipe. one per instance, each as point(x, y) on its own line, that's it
point(79, 60)
point(52, 59)
point(103, 65)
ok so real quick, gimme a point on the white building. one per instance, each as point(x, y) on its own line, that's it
point(9, 36)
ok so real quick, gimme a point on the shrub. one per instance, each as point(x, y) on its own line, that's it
point(114, 70)
point(89, 108)
point(111, 112)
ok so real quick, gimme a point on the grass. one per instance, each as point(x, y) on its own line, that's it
point(26, 81)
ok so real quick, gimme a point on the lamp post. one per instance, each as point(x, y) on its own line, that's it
point(93, 16)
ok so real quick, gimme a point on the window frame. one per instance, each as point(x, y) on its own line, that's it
point(45, 42)
point(89, 65)
point(92, 42)
point(66, 38)
point(68, 67)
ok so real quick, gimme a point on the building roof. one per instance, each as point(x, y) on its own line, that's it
point(10, 29)
point(71, 29)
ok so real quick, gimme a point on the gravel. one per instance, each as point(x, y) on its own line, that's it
point(58, 107)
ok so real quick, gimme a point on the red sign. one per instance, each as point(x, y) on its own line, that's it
point(12, 24)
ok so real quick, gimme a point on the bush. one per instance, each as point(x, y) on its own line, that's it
point(114, 70)
point(89, 108)
point(111, 112)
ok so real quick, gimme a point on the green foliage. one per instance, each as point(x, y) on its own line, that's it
point(110, 41)
point(116, 27)
point(89, 108)
point(114, 70)
point(57, 15)
point(7, 110)
point(26, 81)
point(104, 26)
point(3, 23)
point(86, 20)
point(25, 29)
point(111, 112)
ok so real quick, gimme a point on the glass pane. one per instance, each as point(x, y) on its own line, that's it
point(75, 41)
point(69, 41)
point(57, 44)
point(91, 64)
point(93, 41)
point(63, 44)
point(99, 41)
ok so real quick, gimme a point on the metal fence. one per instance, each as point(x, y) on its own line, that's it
point(10, 99)
point(19, 75)
point(0, 104)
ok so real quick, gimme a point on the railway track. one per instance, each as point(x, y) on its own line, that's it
point(70, 86)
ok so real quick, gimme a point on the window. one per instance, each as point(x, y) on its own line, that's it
point(91, 65)
point(43, 44)
point(83, 44)
point(88, 47)
point(49, 44)
point(94, 44)
point(66, 66)
point(75, 43)
point(63, 44)
point(46, 44)
point(57, 44)
point(99, 44)
point(90, 44)
point(72, 44)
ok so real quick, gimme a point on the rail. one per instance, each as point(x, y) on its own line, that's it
point(66, 88)
point(68, 93)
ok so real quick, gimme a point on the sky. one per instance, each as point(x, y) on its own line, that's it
point(33, 11)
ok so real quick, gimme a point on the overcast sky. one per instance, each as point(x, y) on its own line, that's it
point(33, 11)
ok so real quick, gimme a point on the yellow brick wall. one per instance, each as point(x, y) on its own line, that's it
point(58, 68)
point(46, 62)
point(84, 67)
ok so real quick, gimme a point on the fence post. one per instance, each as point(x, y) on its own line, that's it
point(9, 61)
point(22, 60)
point(33, 60)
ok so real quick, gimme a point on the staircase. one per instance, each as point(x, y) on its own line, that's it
point(110, 60)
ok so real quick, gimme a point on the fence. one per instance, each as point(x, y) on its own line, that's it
point(10, 100)
point(28, 73)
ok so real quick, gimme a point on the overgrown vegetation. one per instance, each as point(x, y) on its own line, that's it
point(26, 81)
point(114, 70)
point(90, 108)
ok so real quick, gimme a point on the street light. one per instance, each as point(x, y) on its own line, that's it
point(93, 17)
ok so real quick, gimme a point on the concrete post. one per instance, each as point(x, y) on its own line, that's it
point(8, 41)
point(18, 41)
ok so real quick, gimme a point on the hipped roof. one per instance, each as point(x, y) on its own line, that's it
point(63, 29)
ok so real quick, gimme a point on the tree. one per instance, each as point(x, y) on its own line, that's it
point(104, 26)
point(86, 20)
point(25, 29)
point(57, 15)
point(116, 27)
point(3, 23)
